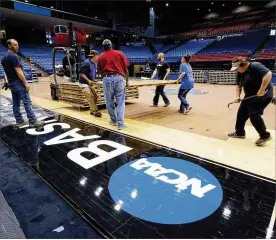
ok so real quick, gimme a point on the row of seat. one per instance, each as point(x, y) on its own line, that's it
point(29, 72)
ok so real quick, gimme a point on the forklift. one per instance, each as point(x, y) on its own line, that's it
point(70, 74)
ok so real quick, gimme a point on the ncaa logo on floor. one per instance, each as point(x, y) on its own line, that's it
point(165, 190)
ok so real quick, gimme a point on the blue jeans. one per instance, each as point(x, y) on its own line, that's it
point(182, 97)
point(114, 87)
point(19, 94)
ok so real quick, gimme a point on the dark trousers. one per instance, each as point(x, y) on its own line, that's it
point(160, 91)
point(252, 109)
point(182, 97)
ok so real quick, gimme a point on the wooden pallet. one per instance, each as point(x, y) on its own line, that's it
point(72, 92)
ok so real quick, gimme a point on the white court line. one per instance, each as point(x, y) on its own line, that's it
point(269, 231)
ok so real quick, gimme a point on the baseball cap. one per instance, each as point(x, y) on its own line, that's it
point(107, 42)
point(93, 53)
point(236, 63)
point(235, 66)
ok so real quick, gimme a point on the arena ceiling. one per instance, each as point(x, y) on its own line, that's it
point(13, 17)
point(172, 16)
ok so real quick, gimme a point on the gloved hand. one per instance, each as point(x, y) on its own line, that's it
point(5, 86)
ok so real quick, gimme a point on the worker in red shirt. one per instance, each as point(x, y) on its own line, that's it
point(113, 66)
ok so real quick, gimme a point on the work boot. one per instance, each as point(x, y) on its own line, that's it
point(188, 109)
point(261, 141)
point(21, 124)
point(235, 135)
point(37, 124)
point(166, 104)
point(96, 113)
point(112, 123)
point(121, 127)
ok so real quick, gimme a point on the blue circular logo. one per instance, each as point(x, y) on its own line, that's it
point(165, 190)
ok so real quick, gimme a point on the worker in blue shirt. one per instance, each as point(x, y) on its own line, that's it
point(15, 80)
point(187, 83)
point(87, 79)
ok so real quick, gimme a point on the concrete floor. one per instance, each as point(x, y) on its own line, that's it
point(209, 116)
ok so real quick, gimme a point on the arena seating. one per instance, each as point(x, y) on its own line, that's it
point(270, 50)
point(227, 48)
point(41, 56)
point(190, 47)
point(27, 68)
point(136, 54)
point(235, 23)
point(157, 47)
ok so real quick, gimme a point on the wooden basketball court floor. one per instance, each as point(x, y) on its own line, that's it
point(202, 133)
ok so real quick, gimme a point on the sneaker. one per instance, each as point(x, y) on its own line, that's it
point(21, 124)
point(38, 124)
point(166, 104)
point(261, 141)
point(188, 109)
point(112, 123)
point(181, 111)
point(235, 135)
point(121, 127)
point(96, 113)
point(153, 105)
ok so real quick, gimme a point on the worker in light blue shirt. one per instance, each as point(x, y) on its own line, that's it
point(187, 83)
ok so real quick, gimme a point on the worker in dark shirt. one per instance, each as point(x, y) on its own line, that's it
point(163, 70)
point(87, 79)
point(18, 85)
point(66, 64)
point(254, 79)
point(113, 66)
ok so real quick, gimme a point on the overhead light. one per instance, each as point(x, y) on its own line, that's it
point(52, 6)
point(96, 17)
point(209, 10)
point(4, 19)
point(239, 3)
point(223, 5)
point(167, 4)
point(41, 25)
point(198, 9)
point(212, 2)
point(32, 29)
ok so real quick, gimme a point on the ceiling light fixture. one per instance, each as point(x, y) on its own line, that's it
point(167, 4)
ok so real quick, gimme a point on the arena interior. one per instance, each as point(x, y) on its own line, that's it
point(168, 173)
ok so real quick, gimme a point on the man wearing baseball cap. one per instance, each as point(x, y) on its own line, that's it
point(255, 79)
point(87, 79)
point(113, 66)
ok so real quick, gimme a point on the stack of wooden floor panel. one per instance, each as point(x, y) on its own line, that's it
point(72, 93)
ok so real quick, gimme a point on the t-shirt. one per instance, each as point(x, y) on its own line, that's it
point(162, 69)
point(9, 62)
point(112, 62)
point(251, 80)
point(187, 82)
point(88, 68)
